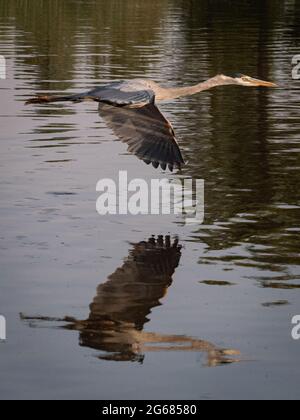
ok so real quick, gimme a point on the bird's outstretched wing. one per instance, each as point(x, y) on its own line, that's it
point(120, 94)
point(117, 94)
point(128, 108)
point(148, 134)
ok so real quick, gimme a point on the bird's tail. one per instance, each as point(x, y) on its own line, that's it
point(46, 99)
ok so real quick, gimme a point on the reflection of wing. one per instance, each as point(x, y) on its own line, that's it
point(122, 304)
point(135, 288)
point(148, 134)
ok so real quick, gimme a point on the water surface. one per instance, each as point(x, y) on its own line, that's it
point(100, 285)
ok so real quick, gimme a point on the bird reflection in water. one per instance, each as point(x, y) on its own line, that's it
point(122, 304)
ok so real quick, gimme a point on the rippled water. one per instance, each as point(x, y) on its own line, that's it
point(200, 311)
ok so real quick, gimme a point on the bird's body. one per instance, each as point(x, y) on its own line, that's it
point(129, 109)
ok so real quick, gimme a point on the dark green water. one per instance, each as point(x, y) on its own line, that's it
point(232, 287)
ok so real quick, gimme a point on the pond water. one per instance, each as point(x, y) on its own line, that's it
point(130, 307)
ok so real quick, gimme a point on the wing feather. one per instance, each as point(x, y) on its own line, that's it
point(148, 134)
point(120, 94)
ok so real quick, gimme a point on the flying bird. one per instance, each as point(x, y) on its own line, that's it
point(129, 108)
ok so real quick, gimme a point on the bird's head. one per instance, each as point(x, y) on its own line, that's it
point(243, 80)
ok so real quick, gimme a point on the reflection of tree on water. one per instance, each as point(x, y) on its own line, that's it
point(122, 304)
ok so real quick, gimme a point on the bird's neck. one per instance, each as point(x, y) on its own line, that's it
point(174, 93)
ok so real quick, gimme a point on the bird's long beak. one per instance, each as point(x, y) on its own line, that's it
point(257, 82)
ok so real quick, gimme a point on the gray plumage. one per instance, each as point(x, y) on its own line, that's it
point(147, 133)
point(129, 108)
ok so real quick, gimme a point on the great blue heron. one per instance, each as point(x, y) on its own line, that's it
point(129, 109)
